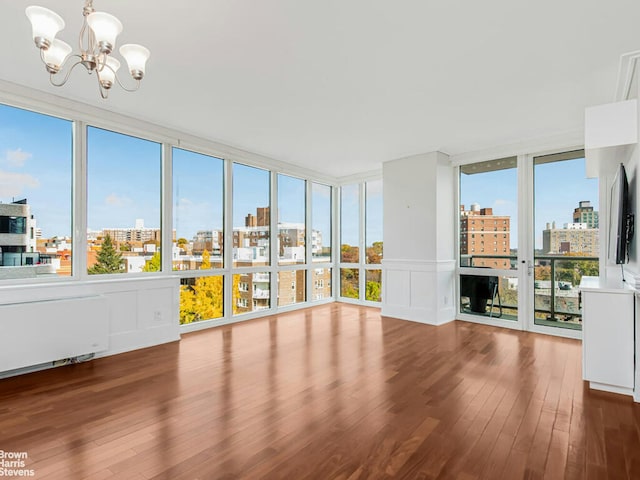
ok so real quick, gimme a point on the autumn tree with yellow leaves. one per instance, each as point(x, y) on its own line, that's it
point(204, 299)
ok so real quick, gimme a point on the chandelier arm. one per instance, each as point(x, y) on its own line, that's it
point(104, 93)
point(66, 77)
point(101, 66)
point(133, 89)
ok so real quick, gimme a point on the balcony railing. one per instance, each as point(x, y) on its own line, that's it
point(259, 293)
point(557, 298)
point(557, 277)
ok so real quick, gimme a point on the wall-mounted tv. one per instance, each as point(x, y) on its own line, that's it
point(621, 219)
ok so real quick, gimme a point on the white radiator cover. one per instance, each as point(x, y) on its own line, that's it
point(33, 333)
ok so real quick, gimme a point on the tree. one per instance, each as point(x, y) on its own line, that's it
point(373, 291)
point(109, 260)
point(349, 254)
point(349, 283)
point(204, 299)
point(374, 253)
point(543, 272)
point(154, 264)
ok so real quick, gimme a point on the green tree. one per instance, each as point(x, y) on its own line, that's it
point(349, 283)
point(373, 291)
point(109, 260)
point(154, 264)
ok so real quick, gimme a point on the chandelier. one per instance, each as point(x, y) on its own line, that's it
point(96, 42)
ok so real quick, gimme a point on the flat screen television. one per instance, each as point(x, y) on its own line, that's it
point(621, 219)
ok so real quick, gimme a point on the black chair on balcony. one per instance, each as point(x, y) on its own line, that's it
point(481, 289)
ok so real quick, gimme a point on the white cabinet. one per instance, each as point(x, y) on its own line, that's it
point(608, 341)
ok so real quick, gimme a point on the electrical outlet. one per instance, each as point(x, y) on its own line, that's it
point(157, 316)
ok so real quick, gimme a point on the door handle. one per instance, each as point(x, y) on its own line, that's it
point(530, 268)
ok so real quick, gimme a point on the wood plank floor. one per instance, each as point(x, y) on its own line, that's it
point(331, 392)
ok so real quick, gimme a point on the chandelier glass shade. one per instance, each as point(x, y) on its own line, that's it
point(96, 41)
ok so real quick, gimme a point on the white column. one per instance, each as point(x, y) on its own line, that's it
point(419, 227)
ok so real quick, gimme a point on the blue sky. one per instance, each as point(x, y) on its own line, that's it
point(123, 180)
point(197, 193)
point(35, 163)
point(558, 187)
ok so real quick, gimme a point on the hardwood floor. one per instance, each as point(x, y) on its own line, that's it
point(328, 392)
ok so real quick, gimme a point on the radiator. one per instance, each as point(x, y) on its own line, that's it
point(34, 333)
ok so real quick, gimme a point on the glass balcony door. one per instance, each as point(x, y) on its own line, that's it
point(565, 225)
point(489, 277)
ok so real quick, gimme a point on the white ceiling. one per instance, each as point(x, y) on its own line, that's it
point(340, 86)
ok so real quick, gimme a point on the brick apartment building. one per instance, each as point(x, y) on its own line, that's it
point(483, 237)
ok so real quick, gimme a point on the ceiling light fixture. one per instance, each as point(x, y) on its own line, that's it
point(96, 41)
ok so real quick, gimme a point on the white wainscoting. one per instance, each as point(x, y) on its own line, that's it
point(133, 313)
point(420, 291)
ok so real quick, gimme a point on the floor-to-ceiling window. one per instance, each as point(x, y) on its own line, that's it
point(321, 239)
point(251, 238)
point(361, 242)
point(292, 240)
point(373, 240)
point(198, 240)
point(350, 241)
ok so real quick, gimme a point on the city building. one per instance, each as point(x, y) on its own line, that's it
point(18, 235)
point(209, 240)
point(573, 238)
point(581, 237)
point(484, 237)
point(585, 213)
point(139, 233)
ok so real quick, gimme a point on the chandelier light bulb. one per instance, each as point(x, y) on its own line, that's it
point(55, 55)
point(106, 28)
point(136, 57)
point(45, 24)
point(107, 73)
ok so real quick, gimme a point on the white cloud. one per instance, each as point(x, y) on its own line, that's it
point(183, 203)
point(115, 200)
point(16, 158)
point(12, 184)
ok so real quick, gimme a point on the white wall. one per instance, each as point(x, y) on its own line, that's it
point(604, 154)
point(419, 214)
